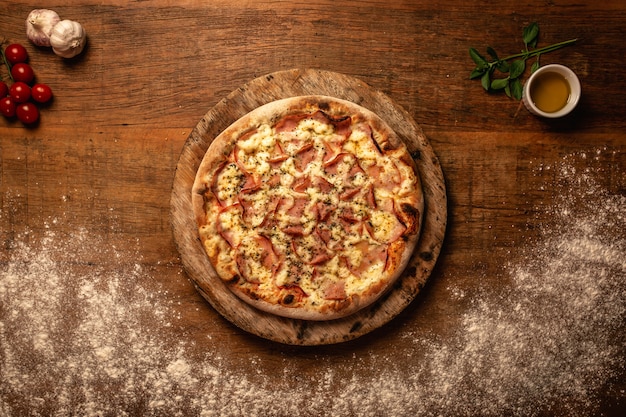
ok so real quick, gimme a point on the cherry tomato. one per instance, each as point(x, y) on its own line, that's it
point(22, 72)
point(27, 113)
point(7, 107)
point(4, 90)
point(16, 53)
point(41, 93)
point(19, 92)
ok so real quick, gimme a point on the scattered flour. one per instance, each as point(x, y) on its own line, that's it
point(552, 343)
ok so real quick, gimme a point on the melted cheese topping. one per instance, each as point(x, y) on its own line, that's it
point(316, 196)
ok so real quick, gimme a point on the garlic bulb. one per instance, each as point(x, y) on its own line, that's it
point(68, 38)
point(39, 24)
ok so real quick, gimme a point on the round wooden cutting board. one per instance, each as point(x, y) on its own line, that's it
point(287, 84)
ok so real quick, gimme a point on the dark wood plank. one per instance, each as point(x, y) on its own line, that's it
point(101, 165)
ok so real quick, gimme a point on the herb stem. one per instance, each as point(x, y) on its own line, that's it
point(4, 58)
point(539, 51)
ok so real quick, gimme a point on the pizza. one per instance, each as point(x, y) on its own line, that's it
point(308, 207)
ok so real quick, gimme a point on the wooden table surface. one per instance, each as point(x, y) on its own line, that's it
point(522, 315)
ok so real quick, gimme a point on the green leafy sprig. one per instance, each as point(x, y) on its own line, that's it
point(512, 66)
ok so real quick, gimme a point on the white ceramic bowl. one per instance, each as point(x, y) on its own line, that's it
point(572, 101)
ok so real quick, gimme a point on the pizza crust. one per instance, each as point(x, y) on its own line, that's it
point(409, 206)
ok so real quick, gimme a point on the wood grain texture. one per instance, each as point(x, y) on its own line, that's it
point(293, 83)
point(103, 158)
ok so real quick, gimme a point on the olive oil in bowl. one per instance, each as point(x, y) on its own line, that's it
point(550, 92)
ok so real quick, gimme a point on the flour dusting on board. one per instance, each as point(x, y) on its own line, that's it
point(551, 344)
